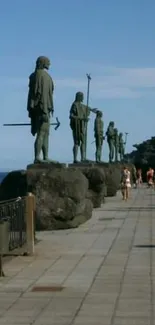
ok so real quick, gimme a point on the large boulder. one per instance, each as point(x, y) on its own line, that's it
point(61, 195)
point(96, 191)
point(112, 174)
point(96, 182)
point(111, 184)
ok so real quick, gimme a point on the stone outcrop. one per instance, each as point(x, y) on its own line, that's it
point(65, 196)
point(61, 196)
point(112, 177)
point(96, 182)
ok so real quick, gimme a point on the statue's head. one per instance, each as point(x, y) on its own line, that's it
point(112, 124)
point(116, 131)
point(42, 62)
point(79, 97)
point(99, 114)
point(121, 134)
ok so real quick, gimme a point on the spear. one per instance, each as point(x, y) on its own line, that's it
point(126, 136)
point(57, 124)
point(88, 90)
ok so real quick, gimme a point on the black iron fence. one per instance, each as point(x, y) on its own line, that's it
point(14, 212)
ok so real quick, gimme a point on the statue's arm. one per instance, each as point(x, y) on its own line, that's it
point(38, 87)
point(52, 86)
point(107, 132)
point(30, 98)
point(95, 128)
point(51, 91)
point(92, 110)
point(102, 131)
point(73, 112)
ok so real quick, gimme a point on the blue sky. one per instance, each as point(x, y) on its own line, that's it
point(112, 40)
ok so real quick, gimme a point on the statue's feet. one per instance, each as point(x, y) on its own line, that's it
point(48, 161)
point(75, 162)
point(38, 161)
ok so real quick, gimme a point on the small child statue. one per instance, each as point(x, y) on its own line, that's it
point(98, 134)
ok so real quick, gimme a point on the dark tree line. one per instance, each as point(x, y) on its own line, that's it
point(144, 155)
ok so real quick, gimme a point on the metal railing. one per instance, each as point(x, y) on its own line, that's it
point(14, 211)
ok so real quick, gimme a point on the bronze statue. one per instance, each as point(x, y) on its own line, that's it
point(40, 106)
point(98, 134)
point(79, 114)
point(116, 144)
point(121, 147)
point(111, 139)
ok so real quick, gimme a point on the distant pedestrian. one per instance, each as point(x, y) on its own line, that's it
point(134, 177)
point(150, 177)
point(139, 176)
point(125, 183)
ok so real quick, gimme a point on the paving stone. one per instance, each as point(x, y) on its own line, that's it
point(98, 310)
point(131, 321)
point(15, 319)
point(53, 320)
point(92, 320)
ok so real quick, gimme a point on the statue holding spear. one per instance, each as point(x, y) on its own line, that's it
point(79, 117)
point(40, 108)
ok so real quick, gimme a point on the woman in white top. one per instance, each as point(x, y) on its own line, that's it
point(126, 183)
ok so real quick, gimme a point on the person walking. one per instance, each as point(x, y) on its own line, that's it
point(150, 176)
point(125, 183)
point(139, 176)
point(134, 176)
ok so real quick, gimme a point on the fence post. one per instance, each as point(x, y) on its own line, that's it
point(30, 208)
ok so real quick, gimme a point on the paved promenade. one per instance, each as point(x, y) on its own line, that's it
point(102, 273)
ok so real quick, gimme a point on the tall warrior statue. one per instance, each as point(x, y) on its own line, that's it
point(116, 144)
point(99, 135)
point(121, 146)
point(111, 140)
point(40, 106)
point(79, 114)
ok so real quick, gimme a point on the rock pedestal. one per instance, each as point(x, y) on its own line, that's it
point(104, 179)
point(96, 181)
point(65, 196)
point(61, 194)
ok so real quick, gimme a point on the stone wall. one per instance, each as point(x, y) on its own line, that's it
point(65, 196)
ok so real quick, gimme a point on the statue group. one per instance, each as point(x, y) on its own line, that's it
point(115, 142)
point(40, 108)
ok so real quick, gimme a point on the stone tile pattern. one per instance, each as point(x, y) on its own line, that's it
point(107, 278)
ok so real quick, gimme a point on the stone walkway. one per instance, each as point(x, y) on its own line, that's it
point(104, 269)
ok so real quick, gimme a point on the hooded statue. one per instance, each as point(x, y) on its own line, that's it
point(79, 114)
point(121, 146)
point(40, 106)
point(111, 140)
point(116, 144)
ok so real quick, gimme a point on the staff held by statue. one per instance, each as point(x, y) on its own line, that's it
point(125, 142)
point(86, 123)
